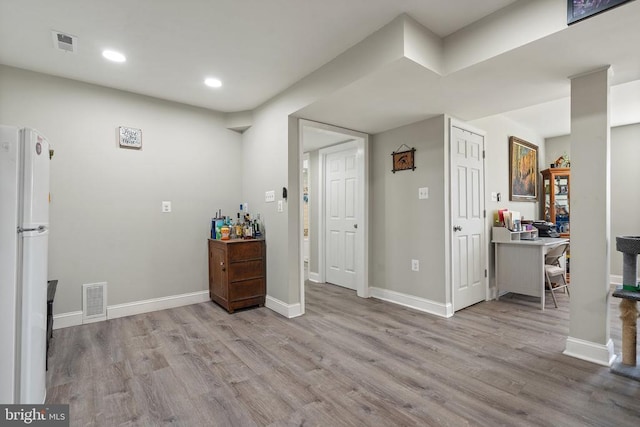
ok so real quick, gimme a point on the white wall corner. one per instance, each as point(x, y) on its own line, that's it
point(239, 121)
point(591, 352)
point(155, 304)
point(66, 320)
point(423, 46)
point(287, 310)
point(417, 303)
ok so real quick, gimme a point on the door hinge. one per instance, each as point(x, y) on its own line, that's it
point(485, 272)
point(484, 213)
point(483, 152)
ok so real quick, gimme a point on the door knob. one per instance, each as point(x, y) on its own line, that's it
point(457, 228)
point(355, 225)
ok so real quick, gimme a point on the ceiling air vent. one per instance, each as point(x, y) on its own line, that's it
point(64, 42)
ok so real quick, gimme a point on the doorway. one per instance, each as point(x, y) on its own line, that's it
point(335, 147)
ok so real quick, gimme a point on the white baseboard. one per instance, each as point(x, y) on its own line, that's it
point(74, 318)
point(314, 277)
point(417, 303)
point(287, 310)
point(590, 351)
point(616, 279)
point(155, 304)
point(66, 320)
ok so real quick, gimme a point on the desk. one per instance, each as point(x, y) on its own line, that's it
point(520, 266)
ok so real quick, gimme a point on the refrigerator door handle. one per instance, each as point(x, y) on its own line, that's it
point(39, 229)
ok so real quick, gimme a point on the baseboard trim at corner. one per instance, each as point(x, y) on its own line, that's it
point(591, 352)
point(417, 303)
point(314, 277)
point(66, 320)
point(287, 310)
point(155, 304)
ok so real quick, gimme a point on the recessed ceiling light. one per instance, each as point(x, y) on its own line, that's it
point(114, 56)
point(211, 82)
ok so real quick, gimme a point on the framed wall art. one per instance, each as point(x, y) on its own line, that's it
point(581, 9)
point(523, 170)
point(403, 160)
point(129, 137)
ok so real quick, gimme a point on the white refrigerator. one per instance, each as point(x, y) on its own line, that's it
point(24, 236)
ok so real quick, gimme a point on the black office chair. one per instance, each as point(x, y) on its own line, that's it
point(555, 272)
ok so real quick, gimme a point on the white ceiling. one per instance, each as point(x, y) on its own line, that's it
point(260, 47)
point(256, 47)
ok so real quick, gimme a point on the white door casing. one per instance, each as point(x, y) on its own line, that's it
point(341, 212)
point(468, 240)
point(361, 142)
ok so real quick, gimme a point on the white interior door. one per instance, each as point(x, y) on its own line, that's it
point(341, 213)
point(467, 218)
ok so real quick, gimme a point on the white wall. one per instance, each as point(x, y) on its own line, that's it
point(625, 188)
point(402, 227)
point(556, 147)
point(106, 221)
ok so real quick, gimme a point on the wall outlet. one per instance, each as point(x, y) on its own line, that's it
point(166, 207)
point(423, 193)
point(415, 265)
point(280, 206)
point(270, 196)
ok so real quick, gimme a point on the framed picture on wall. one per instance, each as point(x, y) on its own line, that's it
point(581, 9)
point(523, 170)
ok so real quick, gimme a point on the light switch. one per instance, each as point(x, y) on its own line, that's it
point(270, 196)
point(280, 206)
point(494, 196)
point(423, 193)
point(166, 206)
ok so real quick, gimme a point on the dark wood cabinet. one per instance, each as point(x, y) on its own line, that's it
point(237, 273)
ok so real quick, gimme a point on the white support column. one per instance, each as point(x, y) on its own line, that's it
point(590, 216)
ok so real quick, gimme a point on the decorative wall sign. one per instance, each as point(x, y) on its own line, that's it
point(403, 160)
point(581, 9)
point(523, 170)
point(129, 137)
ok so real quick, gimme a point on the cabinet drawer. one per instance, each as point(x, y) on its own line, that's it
point(246, 270)
point(246, 289)
point(245, 250)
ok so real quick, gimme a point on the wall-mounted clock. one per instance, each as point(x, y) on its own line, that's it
point(403, 160)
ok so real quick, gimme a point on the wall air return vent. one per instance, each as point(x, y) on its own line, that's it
point(94, 302)
point(64, 42)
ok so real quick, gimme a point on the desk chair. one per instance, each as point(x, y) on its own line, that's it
point(554, 272)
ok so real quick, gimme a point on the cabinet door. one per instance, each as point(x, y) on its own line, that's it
point(218, 272)
point(561, 205)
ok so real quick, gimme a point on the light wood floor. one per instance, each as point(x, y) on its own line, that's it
point(348, 361)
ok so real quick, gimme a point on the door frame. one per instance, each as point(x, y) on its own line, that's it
point(449, 217)
point(361, 140)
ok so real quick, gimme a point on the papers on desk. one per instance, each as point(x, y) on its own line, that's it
point(512, 220)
